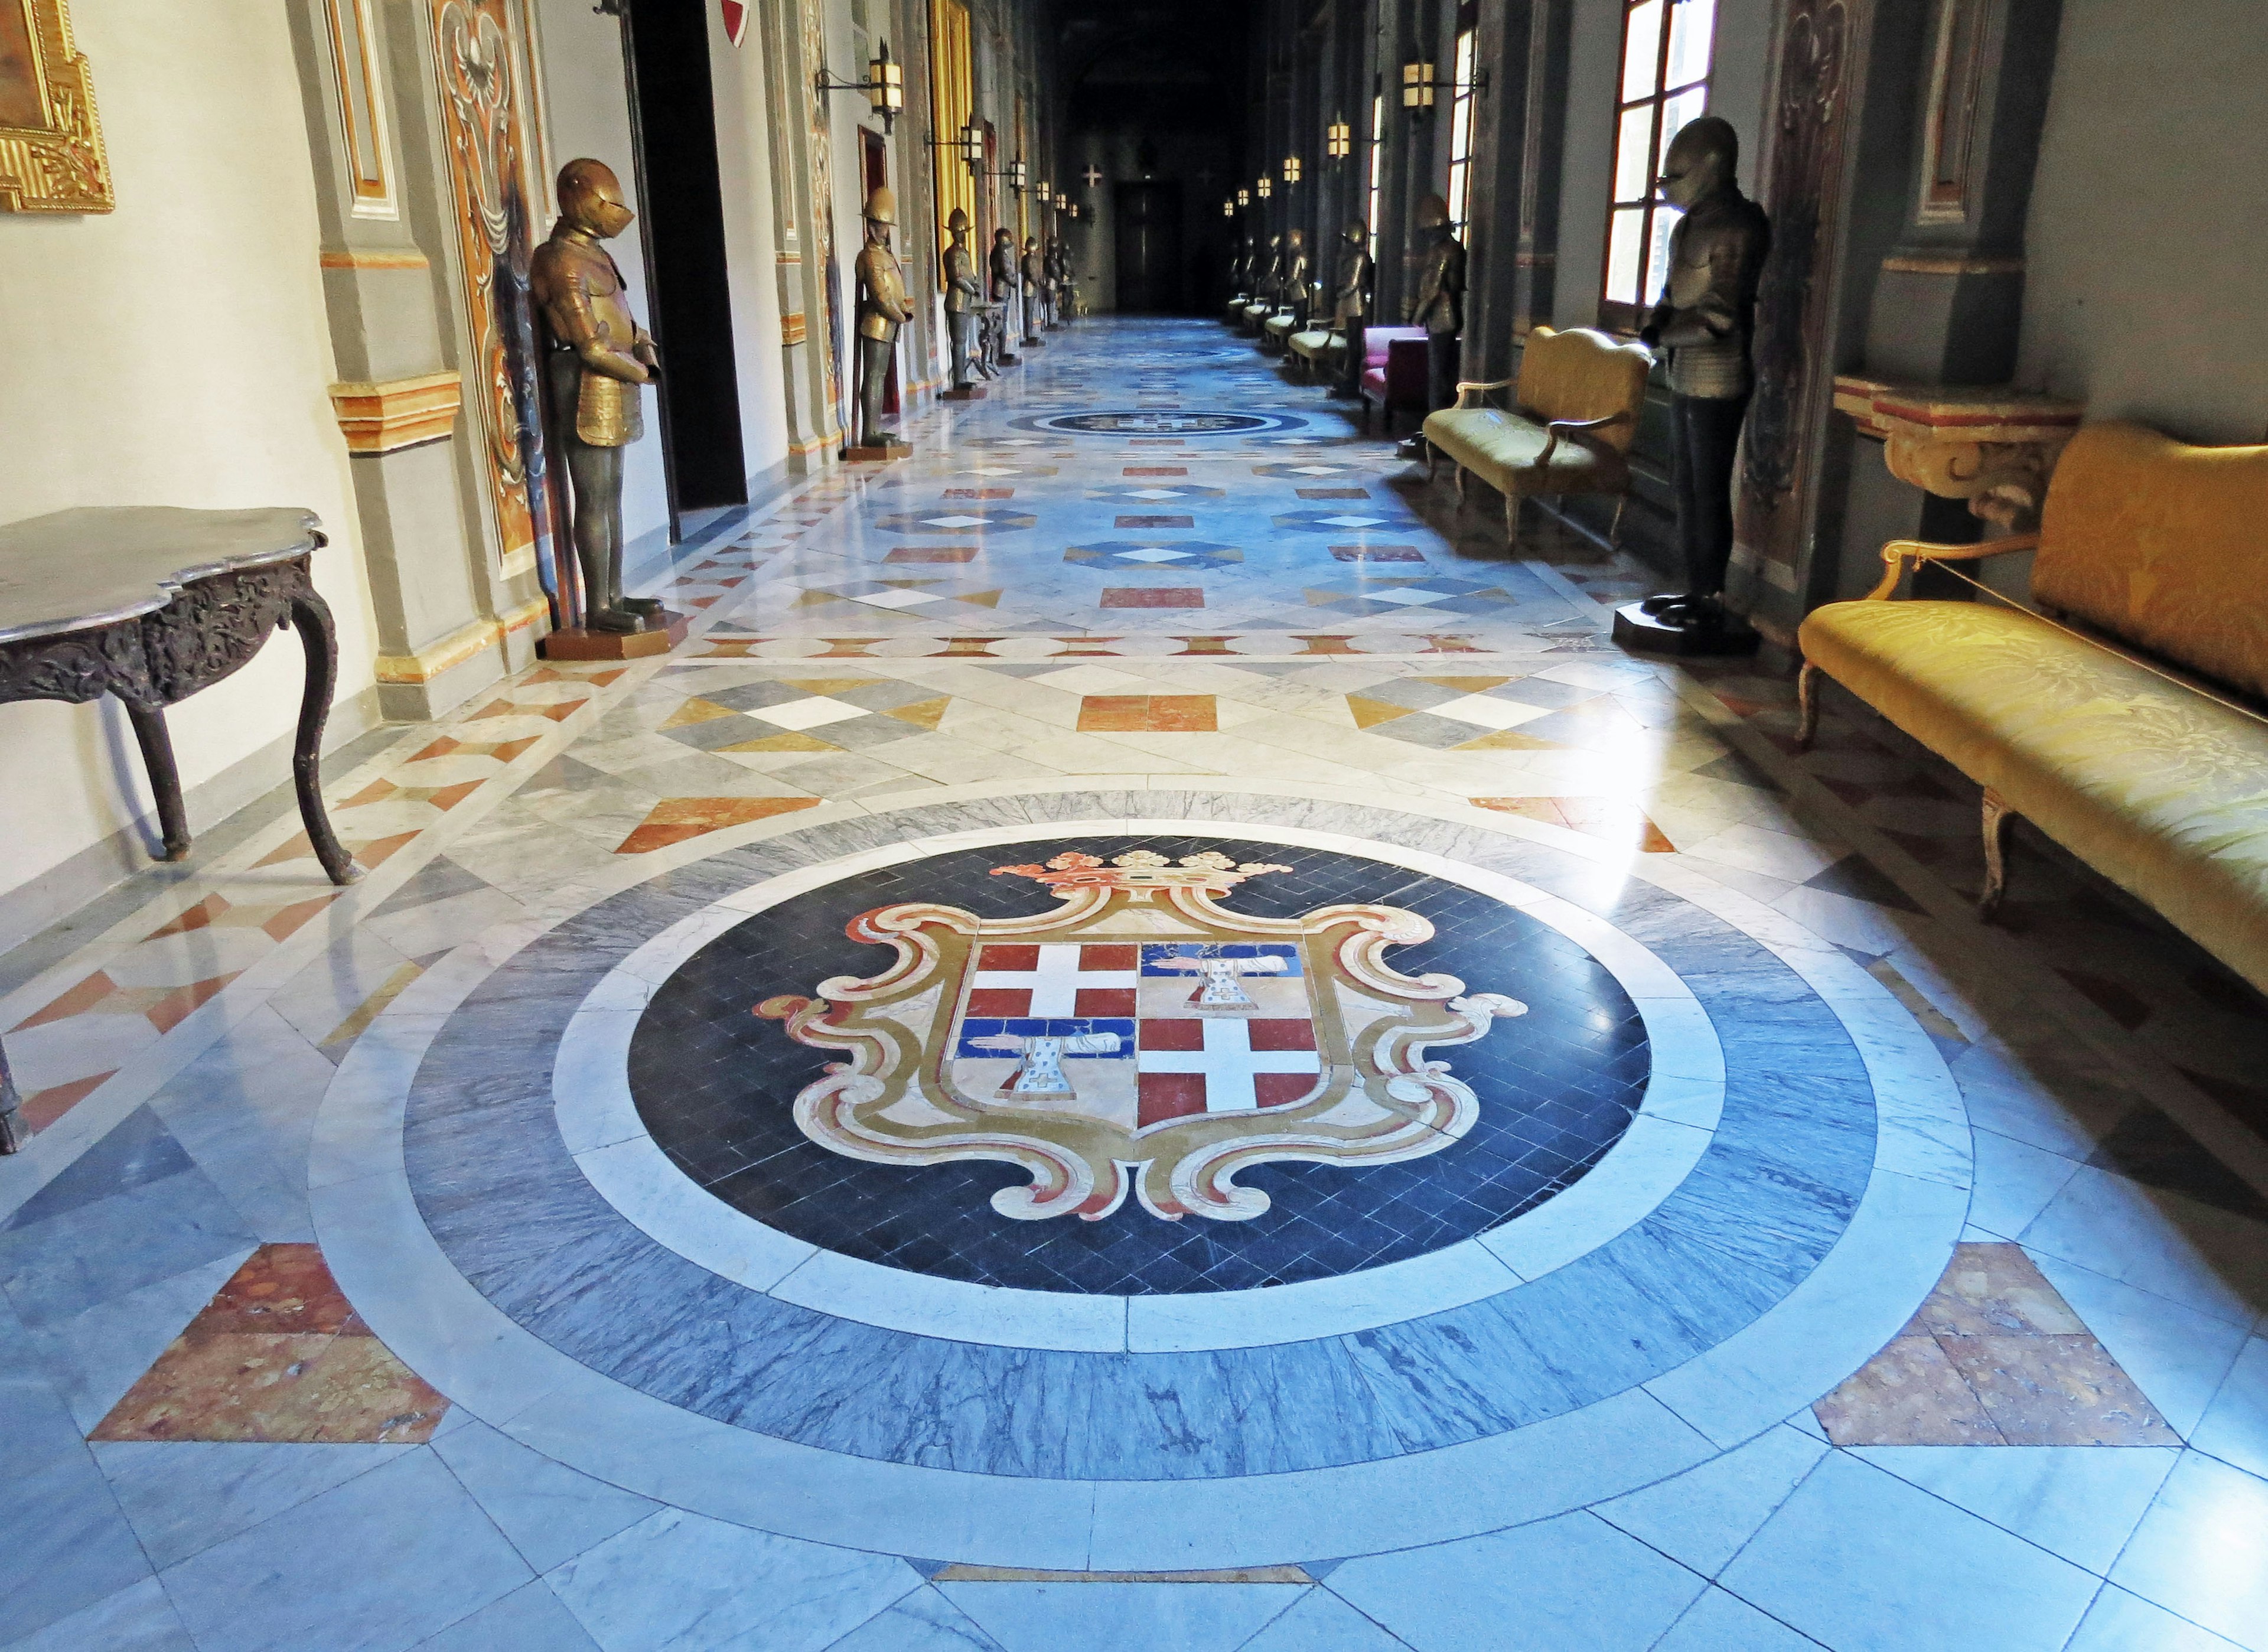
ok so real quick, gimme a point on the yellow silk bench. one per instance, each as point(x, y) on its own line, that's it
point(2125, 722)
point(1318, 347)
point(1577, 403)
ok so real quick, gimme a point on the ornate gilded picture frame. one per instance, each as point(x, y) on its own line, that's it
point(51, 158)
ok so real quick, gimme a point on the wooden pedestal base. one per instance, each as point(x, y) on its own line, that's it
point(1006, 359)
point(883, 455)
point(667, 630)
point(1649, 634)
point(963, 392)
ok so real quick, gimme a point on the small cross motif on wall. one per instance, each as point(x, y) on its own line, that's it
point(1093, 174)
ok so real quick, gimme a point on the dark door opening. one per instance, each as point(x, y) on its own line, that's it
point(874, 171)
point(1149, 246)
point(673, 130)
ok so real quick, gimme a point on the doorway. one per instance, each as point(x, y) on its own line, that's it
point(1149, 246)
point(873, 172)
point(673, 132)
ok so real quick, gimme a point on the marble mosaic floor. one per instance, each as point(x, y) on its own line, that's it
point(1144, 1040)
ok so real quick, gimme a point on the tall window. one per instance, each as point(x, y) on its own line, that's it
point(953, 99)
point(1665, 83)
point(1377, 158)
point(1461, 130)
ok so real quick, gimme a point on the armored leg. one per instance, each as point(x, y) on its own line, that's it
point(964, 348)
point(873, 376)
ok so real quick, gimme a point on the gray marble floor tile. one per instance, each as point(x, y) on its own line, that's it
point(2121, 1622)
point(1570, 1584)
point(1701, 1517)
point(423, 1557)
point(1719, 1622)
point(184, 1496)
point(551, 1512)
point(1045, 1617)
point(138, 1618)
point(98, 1252)
point(1319, 1621)
point(138, 1151)
point(94, 1357)
point(531, 1618)
point(2236, 1424)
point(2082, 1502)
point(679, 1580)
point(924, 1621)
point(1863, 1562)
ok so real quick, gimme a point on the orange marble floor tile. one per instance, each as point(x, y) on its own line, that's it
point(1147, 713)
point(676, 819)
point(1154, 596)
point(277, 1356)
point(1993, 1356)
point(1595, 817)
point(931, 553)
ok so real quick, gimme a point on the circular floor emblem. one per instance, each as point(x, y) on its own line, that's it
point(1205, 1054)
point(1161, 422)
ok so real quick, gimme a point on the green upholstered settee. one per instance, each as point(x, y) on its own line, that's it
point(1318, 350)
point(2125, 718)
point(1576, 405)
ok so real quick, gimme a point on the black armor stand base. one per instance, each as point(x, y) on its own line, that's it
point(963, 392)
point(1646, 633)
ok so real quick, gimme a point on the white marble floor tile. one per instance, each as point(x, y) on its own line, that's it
point(1863, 1562)
point(1701, 1517)
point(680, 1580)
point(1569, 1584)
point(2202, 1551)
point(2082, 1502)
point(924, 1621)
point(183, 1496)
point(2015, 1182)
point(2121, 1622)
point(1046, 1617)
point(136, 1619)
point(2158, 1242)
point(2177, 1354)
point(549, 1512)
point(531, 1618)
point(1719, 1622)
point(1319, 1621)
point(2236, 1424)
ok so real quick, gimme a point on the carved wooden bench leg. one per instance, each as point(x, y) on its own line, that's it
point(1614, 528)
point(1807, 706)
point(1997, 816)
point(1461, 485)
point(1510, 520)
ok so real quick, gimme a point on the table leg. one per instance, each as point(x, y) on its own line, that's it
point(311, 617)
point(11, 1121)
point(164, 779)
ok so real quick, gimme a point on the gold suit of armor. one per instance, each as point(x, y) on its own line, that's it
point(882, 306)
point(1440, 304)
point(580, 290)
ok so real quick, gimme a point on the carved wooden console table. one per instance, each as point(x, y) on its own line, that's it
point(1995, 447)
point(151, 604)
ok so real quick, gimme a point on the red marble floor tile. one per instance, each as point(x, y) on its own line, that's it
point(42, 1108)
point(1157, 470)
point(675, 820)
point(77, 1001)
point(1147, 713)
point(1154, 596)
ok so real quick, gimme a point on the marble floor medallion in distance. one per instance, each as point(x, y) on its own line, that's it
point(1138, 1065)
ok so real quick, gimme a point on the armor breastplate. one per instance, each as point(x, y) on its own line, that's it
point(960, 276)
point(885, 294)
point(1716, 255)
point(1440, 289)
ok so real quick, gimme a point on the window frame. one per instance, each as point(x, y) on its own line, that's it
point(1373, 196)
point(1464, 61)
point(1617, 316)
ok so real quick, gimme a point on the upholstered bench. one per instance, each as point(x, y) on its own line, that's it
point(1276, 332)
point(1395, 361)
point(1577, 401)
point(1255, 313)
point(1318, 349)
point(2124, 720)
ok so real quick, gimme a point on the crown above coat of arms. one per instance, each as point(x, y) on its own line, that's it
point(1140, 869)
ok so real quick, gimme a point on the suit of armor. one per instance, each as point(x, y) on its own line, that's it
point(1035, 291)
point(1006, 292)
point(964, 300)
point(1438, 305)
point(1705, 319)
point(883, 310)
point(1351, 308)
point(1292, 293)
point(597, 359)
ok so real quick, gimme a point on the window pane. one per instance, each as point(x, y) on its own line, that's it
point(1459, 174)
point(1693, 23)
point(1634, 155)
point(1641, 49)
point(1657, 254)
point(1626, 237)
point(1689, 104)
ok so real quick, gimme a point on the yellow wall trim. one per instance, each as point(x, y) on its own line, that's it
point(425, 664)
point(353, 258)
point(1924, 265)
point(382, 418)
point(793, 329)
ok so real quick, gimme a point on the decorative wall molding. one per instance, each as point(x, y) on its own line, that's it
point(51, 155)
point(362, 109)
point(384, 418)
point(1952, 264)
point(793, 329)
point(436, 660)
point(358, 258)
point(1956, 83)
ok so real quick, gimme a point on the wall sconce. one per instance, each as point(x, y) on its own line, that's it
point(1418, 86)
point(1338, 140)
point(885, 85)
point(1074, 209)
point(969, 144)
point(1062, 204)
point(1244, 197)
point(1265, 185)
point(1014, 173)
point(1228, 209)
point(1290, 169)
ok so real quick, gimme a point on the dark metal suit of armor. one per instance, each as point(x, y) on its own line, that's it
point(1007, 293)
point(1705, 319)
point(883, 310)
point(1291, 293)
point(1272, 273)
point(1438, 304)
point(964, 300)
point(1035, 291)
point(1351, 307)
point(598, 357)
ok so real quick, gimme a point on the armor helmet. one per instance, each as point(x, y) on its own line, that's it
point(591, 198)
point(1300, 239)
point(881, 206)
point(958, 222)
point(1701, 160)
point(1432, 213)
point(1358, 231)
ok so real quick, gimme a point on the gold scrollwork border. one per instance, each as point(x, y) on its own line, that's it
point(58, 165)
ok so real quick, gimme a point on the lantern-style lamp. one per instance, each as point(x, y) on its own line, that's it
point(1228, 209)
point(1244, 197)
point(1265, 185)
point(1290, 169)
point(885, 85)
point(1338, 140)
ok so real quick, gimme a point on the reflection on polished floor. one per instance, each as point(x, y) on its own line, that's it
point(1141, 1040)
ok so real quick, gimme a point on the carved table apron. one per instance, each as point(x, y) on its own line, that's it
point(152, 604)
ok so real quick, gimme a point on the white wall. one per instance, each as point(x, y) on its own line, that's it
point(174, 351)
point(744, 175)
point(2145, 295)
